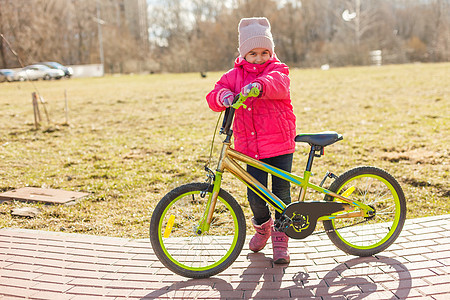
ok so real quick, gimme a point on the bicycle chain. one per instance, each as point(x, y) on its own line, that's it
point(325, 231)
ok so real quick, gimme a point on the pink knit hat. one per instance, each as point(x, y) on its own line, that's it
point(254, 33)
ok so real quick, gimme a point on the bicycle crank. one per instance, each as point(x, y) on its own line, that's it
point(301, 217)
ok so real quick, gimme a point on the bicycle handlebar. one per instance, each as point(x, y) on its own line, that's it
point(239, 100)
point(254, 92)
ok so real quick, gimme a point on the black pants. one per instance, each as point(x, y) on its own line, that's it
point(281, 188)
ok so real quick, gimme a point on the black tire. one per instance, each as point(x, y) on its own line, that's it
point(47, 77)
point(378, 189)
point(179, 246)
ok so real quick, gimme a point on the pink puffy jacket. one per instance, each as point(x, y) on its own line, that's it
point(267, 127)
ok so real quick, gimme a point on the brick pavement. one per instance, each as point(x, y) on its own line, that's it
point(51, 265)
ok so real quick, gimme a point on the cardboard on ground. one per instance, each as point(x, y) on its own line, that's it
point(49, 196)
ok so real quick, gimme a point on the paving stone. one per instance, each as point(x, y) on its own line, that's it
point(424, 273)
point(414, 282)
point(371, 287)
point(303, 293)
point(83, 273)
point(322, 268)
point(12, 291)
point(132, 276)
point(333, 297)
point(52, 287)
point(438, 255)
point(295, 277)
point(391, 258)
point(21, 267)
point(51, 271)
point(444, 261)
point(267, 294)
point(437, 221)
point(338, 290)
point(427, 236)
point(325, 274)
point(411, 226)
point(441, 271)
point(439, 297)
point(5, 273)
point(416, 258)
point(438, 279)
point(191, 294)
point(332, 254)
point(430, 229)
point(118, 293)
point(113, 276)
point(45, 295)
point(134, 270)
point(146, 294)
point(16, 282)
point(87, 291)
point(89, 282)
point(423, 265)
point(51, 278)
point(443, 241)
point(133, 285)
point(324, 261)
point(412, 249)
point(409, 293)
point(380, 295)
point(436, 289)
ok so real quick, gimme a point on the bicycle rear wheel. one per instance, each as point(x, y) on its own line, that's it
point(174, 237)
point(378, 189)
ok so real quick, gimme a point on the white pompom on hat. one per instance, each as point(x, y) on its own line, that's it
point(254, 33)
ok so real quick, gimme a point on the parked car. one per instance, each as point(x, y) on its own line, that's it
point(68, 71)
point(35, 72)
point(6, 75)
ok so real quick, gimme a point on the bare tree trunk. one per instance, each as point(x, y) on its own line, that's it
point(4, 63)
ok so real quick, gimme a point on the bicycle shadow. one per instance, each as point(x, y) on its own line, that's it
point(355, 279)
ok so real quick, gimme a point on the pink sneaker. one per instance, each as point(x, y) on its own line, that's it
point(280, 247)
point(261, 236)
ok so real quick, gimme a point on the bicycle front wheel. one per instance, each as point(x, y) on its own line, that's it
point(367, 236)
point(178, 244)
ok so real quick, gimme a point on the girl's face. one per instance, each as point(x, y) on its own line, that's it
point(258, 56)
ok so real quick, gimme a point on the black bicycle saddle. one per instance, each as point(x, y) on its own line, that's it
point(319, 139)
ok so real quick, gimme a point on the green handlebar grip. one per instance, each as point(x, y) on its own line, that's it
point(254, 92)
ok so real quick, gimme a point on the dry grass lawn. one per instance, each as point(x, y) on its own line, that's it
point(133, 138)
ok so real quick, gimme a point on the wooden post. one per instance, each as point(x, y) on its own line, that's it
point(66, 107)
point(37, 114)
point(45, 108)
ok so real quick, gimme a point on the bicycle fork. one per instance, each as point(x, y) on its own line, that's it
point(205, 221)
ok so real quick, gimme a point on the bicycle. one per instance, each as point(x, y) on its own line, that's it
point(198, 230)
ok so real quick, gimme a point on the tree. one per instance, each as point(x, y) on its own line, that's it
point(201, 35)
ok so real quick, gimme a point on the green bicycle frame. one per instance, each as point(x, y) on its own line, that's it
point(229, 161)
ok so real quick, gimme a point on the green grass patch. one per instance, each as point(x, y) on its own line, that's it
point(133, 138)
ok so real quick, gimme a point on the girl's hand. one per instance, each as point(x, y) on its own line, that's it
point(246, 89)
point(227, 99)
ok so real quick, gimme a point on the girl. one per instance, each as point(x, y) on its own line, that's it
point(265, 130)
